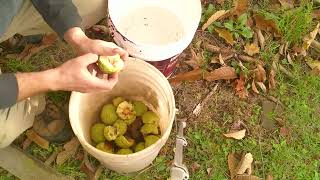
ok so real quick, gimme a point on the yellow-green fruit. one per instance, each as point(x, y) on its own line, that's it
point(124, 151)
point(126, 112)
point(120, 126)
point(108, 114)
point(140, 108)
point(96, 133)
point(116, 101)
point(151, 139)
point(140, 146)
point(110, 64)
point(110, 133)
point(124, 142)
point(149, 129)
point(106, 147)
point(150, 118)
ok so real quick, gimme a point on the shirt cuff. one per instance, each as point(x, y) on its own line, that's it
point(8, 90)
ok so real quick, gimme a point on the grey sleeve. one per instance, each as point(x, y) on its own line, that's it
point(61, 15)
point(8, 90)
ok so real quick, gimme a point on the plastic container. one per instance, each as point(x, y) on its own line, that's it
point(163, 56)
point(139, 80)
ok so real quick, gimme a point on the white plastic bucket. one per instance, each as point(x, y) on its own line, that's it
point(139, 80)
point(163, 56)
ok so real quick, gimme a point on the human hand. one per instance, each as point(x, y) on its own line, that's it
point(82, 44)
point(74, 75)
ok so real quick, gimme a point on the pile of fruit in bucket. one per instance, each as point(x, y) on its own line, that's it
point(126, 126)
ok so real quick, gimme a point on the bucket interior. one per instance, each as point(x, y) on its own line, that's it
point(135, 82)
point(188, 12)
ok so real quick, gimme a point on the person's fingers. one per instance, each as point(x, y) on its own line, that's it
point(87, 59)
point(123, 54)
point(107, 82)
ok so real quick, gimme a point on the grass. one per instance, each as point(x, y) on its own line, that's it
point(71, 168)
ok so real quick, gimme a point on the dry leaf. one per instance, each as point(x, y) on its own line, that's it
point(307, 40)
point(269, 177)
point(232, 164)
point(216, 49)
point(316, 14)
point(26, 143)
point(262, 86)
point(287, 4)
point(33, 136)
point(261, 39)
point(70, 149)
point(198, 108)
point(195, 166)
point(209, 170)
point(314, 65)
point(188, 76)
point(247, 177)
point(251, 49)
point(225, 34)
point(98, 172)
point(265, 25)
point(221, 2)
point(241, 6)
point(49, 39)
point(236, 135)
point(51, 158)
point(284, 70)
point(87, 171)
point(272, 76)
point(213, 18)
point(225, 72)
point(194, 61)
point(254, 88)
point(260, 74)
point(245, 164)
point(241, 90)
point(221, 60)
point(290, 59)
point(248, 59)
point(87, 162)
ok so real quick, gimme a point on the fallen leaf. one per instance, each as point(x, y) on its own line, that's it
point(272, 76)
point(316, 14)
point(251, 49)
point(49, 39)
point(51, 158)
point(269, 177)
point(199, 106)
point(260, 74)
point(221, 2)
point(254, 88)
point(241, 90)
point(26, 143)
point(261, 38)
point(225, 34)
point(209, 170)
point(237, 125)
point(290, 59)
point(216, 49)
point(262, 86)
point(265, 25)
point(98, 172)
point(232, 164)
point(287, 4)
point(70, 149)
point(236, 135)
point(88, 172)
point(307, 40)
point(87, 162)
point(240, 7)
point(194, 61)
point(195, 166)
point(221, 61)
point(225, 73)
point(284, 70)
point(245, 164)
point(314, 65)
point(247, 177)
point(213, 18)
point(248, 59)
point(33, 136)
point(188, 76)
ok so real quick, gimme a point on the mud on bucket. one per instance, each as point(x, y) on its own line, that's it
point(156, 31)
point(139, 80)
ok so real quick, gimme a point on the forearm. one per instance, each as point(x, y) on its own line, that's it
point(34, 83)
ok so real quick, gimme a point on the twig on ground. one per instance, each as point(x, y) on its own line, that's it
point(198, 108)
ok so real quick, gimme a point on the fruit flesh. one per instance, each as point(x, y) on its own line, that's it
point(110, 133)
point(96, 132)
point(139, 147)
point(110, 64)
point(149, 129)
point(121, 127)
point(124, 151)
point(116, 101)
point(108, 114)
point(140, 108)
point(106, 147)
point(150, 118)
point(125, 111)
point(124, 142)
point(151, 139)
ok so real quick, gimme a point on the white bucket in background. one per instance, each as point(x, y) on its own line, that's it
point(138, 80)
point(185, 15)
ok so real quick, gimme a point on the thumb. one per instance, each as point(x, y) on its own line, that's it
point(87, 59)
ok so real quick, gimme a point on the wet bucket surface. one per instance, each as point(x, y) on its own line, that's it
point(141, 81)
point(158, 47)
